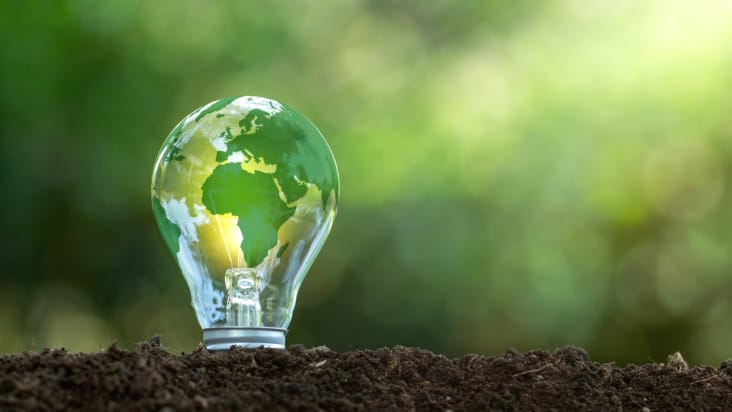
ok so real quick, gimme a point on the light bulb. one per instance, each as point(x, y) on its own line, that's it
point(244, 192)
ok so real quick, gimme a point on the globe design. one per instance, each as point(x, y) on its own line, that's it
point(244, 183)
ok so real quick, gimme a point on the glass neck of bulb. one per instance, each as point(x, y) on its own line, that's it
point(242, 306)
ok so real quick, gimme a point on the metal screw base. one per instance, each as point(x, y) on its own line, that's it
point(218, 339)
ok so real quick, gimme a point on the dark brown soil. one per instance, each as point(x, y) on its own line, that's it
point(150, 378)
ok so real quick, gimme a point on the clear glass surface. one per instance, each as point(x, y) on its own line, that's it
point(244, 192)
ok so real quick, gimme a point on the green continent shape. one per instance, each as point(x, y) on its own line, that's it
point(174, 154)
point(254, 199)
point(171, 232)
point(217, 105)
point(290, 141)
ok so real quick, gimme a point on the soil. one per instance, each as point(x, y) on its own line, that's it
point(152, 379)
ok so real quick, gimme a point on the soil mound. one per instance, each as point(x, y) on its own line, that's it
point(152, 379)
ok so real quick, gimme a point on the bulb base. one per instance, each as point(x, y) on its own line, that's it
point(219, 339)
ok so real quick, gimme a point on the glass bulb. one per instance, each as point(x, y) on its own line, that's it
point(244, 192)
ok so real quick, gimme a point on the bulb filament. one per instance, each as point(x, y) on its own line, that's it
point(242, 306)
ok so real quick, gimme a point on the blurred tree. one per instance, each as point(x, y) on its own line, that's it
point(514, 174)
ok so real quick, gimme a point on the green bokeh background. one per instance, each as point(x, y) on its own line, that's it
point(515, 174)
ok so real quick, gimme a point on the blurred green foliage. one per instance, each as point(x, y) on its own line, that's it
point(515, 174)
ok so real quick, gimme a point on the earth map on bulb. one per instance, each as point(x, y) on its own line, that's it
point(258, 162)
